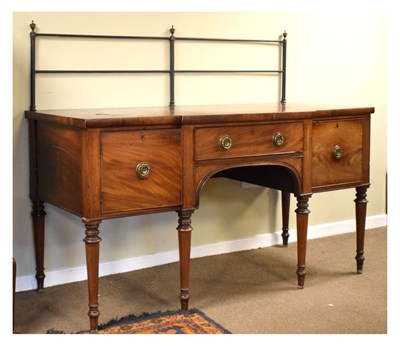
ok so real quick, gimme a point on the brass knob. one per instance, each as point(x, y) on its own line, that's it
point(337, 152)
point(143, 170)
point(225, 142)
point(278, 139)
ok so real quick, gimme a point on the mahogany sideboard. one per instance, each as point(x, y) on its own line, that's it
point(108, 163)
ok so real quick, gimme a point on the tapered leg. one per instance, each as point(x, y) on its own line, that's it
point(285, 216)
point(361, 213)
point(302, 225)
point(184, 236)
point(38, 215)
point(92, 247)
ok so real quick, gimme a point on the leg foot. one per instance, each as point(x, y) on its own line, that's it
point(301, 275)
point(360, 261)
point(184, 298)
point(184, 236)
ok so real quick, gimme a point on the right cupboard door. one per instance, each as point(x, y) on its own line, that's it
point(338, 153)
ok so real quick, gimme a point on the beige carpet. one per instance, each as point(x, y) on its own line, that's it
point(248, 292)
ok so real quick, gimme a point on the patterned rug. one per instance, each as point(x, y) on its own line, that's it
point(170, 322)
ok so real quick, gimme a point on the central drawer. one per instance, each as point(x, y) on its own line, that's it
point(140, 170)
point(247, 140)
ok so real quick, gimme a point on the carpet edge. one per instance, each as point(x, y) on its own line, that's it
point(132, 318)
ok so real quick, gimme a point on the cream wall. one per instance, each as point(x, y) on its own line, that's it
point(335, 59)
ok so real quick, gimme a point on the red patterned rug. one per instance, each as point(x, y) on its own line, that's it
point(170, 322)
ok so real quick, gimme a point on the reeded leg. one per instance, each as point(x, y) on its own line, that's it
point(361, 213)
point(302, 225)
point(92, 247)
point(38, 215)
point(285, 216)
point(184, 235)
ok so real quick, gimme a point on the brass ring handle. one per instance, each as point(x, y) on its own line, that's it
point(143, 170)
point(278, 139)
point(225, 142)
point(337, 152)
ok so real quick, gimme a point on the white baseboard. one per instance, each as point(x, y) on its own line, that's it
point(63, 276)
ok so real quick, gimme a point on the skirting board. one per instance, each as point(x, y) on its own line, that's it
point(63, 276)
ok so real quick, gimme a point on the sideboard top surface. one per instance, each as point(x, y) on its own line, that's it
point(195, 114)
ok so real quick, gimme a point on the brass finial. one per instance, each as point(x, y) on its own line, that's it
point(172, 30)
point(284, 35)
point(33, 26)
